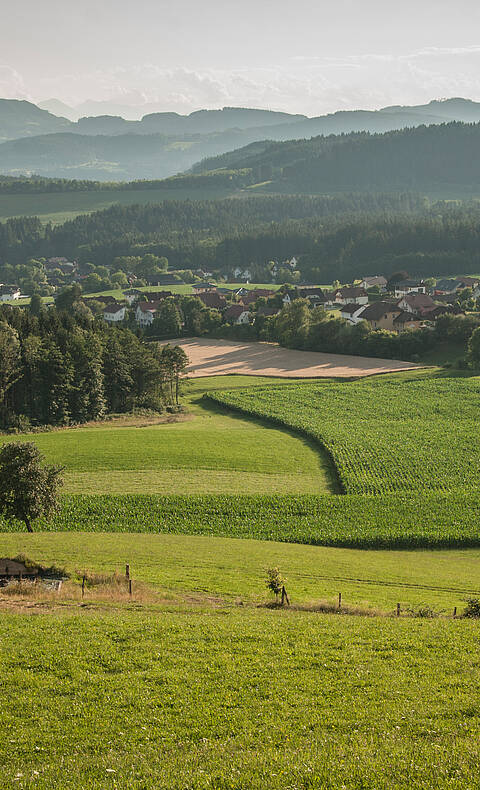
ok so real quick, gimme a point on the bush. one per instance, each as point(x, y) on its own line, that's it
point(472, 608)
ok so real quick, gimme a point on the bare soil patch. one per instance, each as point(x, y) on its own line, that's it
point(223, 357)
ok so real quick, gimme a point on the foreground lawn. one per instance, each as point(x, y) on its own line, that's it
point(237, 699)
point(236, 569)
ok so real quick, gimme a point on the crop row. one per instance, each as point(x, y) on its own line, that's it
point(382, 436)
point(400, 520)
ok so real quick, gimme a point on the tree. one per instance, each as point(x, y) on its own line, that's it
point(28, 490)
point(36, 304)
point(10, 368)
point(474, 348)
point(173, 362)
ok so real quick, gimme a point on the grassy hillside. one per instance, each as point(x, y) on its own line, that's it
point(207, 451)
point(234, 699)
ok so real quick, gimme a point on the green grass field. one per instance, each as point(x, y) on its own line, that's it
point(234, 569)
point(200, 686)
point(212, 452)
point(233, 699)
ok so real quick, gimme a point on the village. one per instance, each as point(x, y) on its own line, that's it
point(391, 304)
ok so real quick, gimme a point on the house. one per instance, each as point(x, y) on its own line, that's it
point(349, 295)
point(352, 312)
point(468, 282)
point(212, 299)
point(376, 280)
point(132, 295)
point(409, 286)
point(313, 294)
point(405, 320)
point(446, 286)
point(236, 314)
point(114, 312)
point(417, 303)
point(203, 287)
point(9, 292)
point(145, 313)
point(380, 315)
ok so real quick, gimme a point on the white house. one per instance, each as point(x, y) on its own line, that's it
point(9, 292)
point(145, 313)
point(114, 313)
point(416, 303)
point(352, 312)
point(351, 296)
point(409, 286)
point(132, 295)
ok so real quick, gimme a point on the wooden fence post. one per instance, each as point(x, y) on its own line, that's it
point(339, 600)
point(83, 586)
point(130, 587)
point(454, 611)
point(398, 610)
point(127, 572)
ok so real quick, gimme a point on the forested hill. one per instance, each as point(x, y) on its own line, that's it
point(110, 148)
point(425, 159)
point(342, 237)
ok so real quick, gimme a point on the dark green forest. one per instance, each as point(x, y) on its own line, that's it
point(340, 237)
point(59, 367)
point(426, 159)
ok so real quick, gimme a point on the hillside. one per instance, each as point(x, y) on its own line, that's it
point(24, 119)
point(107, 147)
point(425, 159)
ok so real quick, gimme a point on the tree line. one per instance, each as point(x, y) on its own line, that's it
point(59, 367)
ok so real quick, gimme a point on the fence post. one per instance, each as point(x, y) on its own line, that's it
point(454, 611)
point(398, 610)
point(127, 572)
point(339, 600)
point(285, 597)
point(130, 587)
point(83, 586)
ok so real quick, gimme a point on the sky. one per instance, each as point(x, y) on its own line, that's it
point(306, 56)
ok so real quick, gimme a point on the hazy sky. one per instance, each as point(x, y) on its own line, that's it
point(307, 56)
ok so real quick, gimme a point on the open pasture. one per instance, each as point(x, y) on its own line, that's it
point(229, 570)
point(236, 698)
point(385, 434)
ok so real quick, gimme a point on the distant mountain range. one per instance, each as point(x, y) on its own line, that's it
point(108, 147)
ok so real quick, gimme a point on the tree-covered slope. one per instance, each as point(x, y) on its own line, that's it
point(425, 159)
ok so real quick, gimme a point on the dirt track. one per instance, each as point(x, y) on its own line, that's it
point(221, 357)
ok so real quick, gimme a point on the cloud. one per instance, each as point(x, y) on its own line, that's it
point(11, 84)
point(310, 85)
